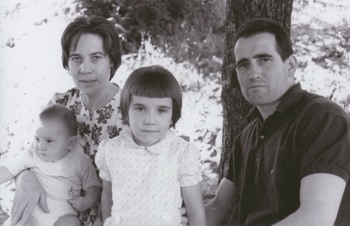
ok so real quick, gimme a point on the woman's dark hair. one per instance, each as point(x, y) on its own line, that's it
point(63, 114)
point(153, 82)
point(261, 25)
point(93, 25)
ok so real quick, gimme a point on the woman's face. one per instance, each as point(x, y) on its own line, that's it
point(89, 65)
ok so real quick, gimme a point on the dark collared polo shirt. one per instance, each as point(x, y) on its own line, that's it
point(306, 134)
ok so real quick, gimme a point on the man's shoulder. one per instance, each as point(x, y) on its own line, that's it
point(317, 104)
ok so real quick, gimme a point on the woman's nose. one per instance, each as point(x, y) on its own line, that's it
point(85, 66)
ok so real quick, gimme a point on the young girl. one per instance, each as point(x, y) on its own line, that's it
point(147, 170)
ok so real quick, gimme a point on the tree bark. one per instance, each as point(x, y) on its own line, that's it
point(235, 107)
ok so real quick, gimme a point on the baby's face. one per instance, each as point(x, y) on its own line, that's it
point(149, 118)
point(52, 140)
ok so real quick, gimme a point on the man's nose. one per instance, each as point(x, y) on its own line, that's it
point(254, 71)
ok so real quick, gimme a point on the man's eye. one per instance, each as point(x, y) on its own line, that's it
point(264, 59)
point(243, 65)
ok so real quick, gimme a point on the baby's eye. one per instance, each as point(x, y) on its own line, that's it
point(36, 138)
point(49, 141)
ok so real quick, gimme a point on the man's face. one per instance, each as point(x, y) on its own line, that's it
point(149, 119)
point(89, 65)
point(262, 74)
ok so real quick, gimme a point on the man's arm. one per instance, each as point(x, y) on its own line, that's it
point(194, 205)
point(87, 201)
point(320, 197)
point(219, 209)
point(24, 201)
point(5, 175)
point(106, 199)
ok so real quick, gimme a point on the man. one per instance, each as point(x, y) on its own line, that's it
point(291, 164)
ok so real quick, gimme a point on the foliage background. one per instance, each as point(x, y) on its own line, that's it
point(184, 36)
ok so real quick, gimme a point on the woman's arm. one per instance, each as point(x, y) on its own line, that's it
point(106, 199)
point(320, 197)
point(194, 205)
point(24, 201)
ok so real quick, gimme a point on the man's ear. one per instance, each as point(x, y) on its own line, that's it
point(292, 65)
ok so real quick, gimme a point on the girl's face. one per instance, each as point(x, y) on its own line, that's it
point(52, 141)
point(149, 119)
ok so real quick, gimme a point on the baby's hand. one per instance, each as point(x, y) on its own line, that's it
point(78, 203)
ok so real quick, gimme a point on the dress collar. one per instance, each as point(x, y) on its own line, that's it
point(157, 148)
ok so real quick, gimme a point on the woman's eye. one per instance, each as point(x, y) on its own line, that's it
point(76, 59)
point(96, 58)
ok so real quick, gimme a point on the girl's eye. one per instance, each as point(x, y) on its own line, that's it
point(163, 111)
point(140, 109)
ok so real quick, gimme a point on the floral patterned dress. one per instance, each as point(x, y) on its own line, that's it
point(93, 126)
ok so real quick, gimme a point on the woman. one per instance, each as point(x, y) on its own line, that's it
point(91, 54)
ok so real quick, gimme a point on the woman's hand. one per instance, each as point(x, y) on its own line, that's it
point(184, 218)
point(28, 194)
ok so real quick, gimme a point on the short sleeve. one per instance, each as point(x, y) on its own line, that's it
point(101, 161)
point(325, 144)
point(190, 167)
point(89, 174)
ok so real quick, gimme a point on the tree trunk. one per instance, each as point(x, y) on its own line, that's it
point(235, 107)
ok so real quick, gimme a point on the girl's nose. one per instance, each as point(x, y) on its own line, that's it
point(150, 117)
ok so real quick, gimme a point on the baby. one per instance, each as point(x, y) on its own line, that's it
point(61, 168)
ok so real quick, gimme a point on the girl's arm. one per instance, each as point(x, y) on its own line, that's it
point(194, 205)
point(106, 199)
point(5, 175)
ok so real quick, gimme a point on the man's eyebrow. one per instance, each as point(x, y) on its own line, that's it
point(241, 61)
point(262, 55)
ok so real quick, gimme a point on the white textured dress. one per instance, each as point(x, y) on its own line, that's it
point(147, 181)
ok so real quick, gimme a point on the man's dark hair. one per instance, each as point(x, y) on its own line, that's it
point(261, 25)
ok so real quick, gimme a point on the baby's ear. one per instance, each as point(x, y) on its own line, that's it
point(72, 141)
